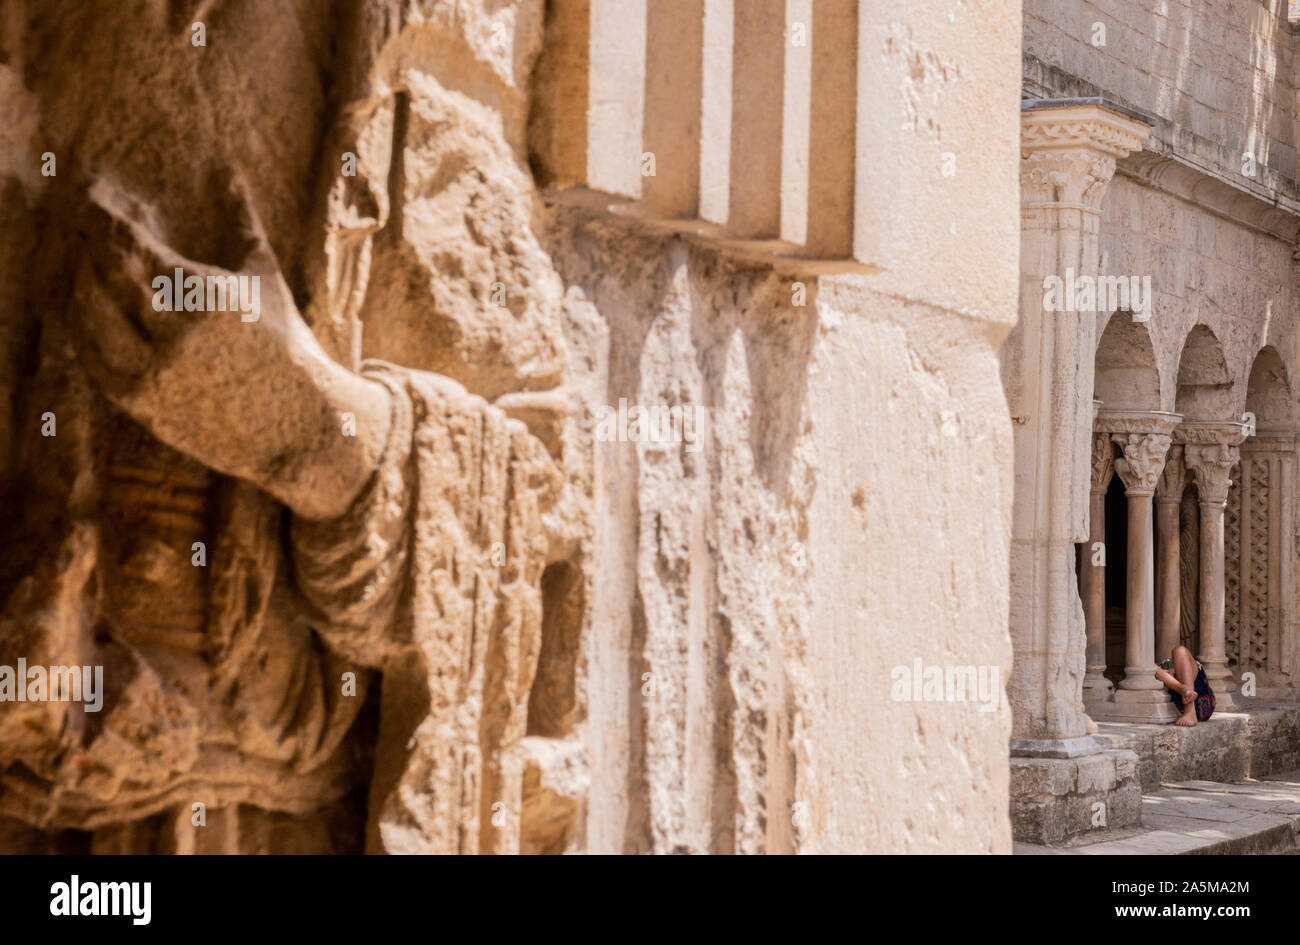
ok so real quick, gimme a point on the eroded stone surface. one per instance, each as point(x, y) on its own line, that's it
point(560, 642)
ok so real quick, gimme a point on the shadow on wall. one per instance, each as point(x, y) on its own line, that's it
point(1126, 373)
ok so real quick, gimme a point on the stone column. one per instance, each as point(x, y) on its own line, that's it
point(1169, 591)
point(1068, 151)
point(1210, 453)
point(1144, 437)
point(1096, 687)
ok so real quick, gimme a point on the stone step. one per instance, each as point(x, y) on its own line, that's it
point(1231, 746)
point(1203, 817)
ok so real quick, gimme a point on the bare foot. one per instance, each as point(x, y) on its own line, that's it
point(1187, 719)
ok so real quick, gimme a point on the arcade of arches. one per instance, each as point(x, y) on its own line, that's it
point(1154, 500)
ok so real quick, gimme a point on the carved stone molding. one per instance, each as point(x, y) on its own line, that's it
point(1243, 202)
point(1267, 441)
point(1136, 421)
point(1210, 432)
point(1103, 461)
point(1092, 124)
point(1173, 480)
point(1212, 464)
point(1143, 460)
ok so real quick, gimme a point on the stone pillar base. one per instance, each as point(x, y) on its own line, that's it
point(1152, 706)
point(1054, 800)
point(1097, 688)
point(1076, 747)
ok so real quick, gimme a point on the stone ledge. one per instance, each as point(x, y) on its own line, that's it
point(1202, 817)
point(1276, 189)
point(1231, 746)
point(1053, 800)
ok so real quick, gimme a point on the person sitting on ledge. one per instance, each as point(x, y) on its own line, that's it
point(1189, 689)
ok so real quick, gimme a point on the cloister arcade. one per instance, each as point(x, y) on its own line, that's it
point(1190, 509)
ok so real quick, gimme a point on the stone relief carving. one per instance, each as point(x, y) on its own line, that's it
point(1143, 459)
point(1212, 465)
point(1173, 478)
point(1254, 638)
point(1103, 461)
point(312, 579)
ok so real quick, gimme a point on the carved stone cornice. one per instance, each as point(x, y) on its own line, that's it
point(1143, 460)
point(1173, 479)
point(1212, 464)
point(1269, 441)
point(1210, 432)
point(1243, 202)
point(1091, 124)
point(1136, 421)
point(1103, 461)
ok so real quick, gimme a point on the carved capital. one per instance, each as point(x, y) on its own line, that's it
point(1143, 460)
point(1103, 461)
point(1069, 177)
point(1068, 149)
point(1212, 464)
point(1173, 480)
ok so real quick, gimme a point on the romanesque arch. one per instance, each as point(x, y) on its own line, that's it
point(1204, 384)
point(1126, 377)
point(1131, 436)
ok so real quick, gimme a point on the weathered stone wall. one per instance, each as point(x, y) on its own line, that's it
point(689, 646)
point(848, 513)
point(1219, 77)
point(1205, 269)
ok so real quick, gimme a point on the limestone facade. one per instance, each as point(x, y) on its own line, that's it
point(454, 599)
point(399, 564)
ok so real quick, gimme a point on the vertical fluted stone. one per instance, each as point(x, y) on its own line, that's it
point(1067, 158)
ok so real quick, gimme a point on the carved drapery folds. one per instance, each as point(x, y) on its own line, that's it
point(1174, 477)
point(1103, 461)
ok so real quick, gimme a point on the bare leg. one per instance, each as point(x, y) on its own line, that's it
point(1184, 683)
point(1185, 671)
